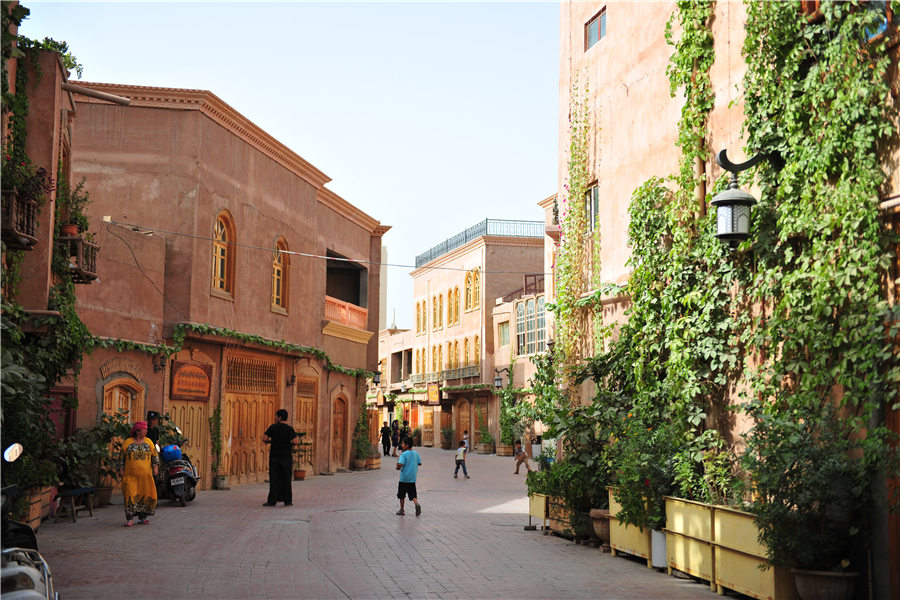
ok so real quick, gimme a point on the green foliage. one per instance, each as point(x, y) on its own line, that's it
point(485, 436)
point(215, 437)
point(70, 204)
point(447, 434)
point(510, 427)
point(90, 457)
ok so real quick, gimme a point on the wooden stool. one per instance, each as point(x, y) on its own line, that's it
point(73, 501)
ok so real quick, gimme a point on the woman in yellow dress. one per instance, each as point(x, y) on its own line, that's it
point(138, 466)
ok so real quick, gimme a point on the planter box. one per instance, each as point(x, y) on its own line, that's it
point(504, 450)
point(689, 538)
point(558, 516)
point(485, 448)
point(627, 538)
point(537, 508)
point(738, 555)
point(373, 462)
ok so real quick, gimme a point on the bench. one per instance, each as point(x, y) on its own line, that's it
point(74, 500)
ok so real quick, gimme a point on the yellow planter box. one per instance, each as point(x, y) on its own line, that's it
point(537, 508)
point(627, 538)
point(737, 556)
point(689, 537)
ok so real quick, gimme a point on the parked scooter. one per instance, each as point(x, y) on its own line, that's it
point(23, 571)
point(178, 477)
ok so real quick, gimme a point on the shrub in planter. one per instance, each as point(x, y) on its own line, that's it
point(813, 494)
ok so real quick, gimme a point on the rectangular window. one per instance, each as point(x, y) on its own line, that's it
point(592, 207)
point(531, 334)
point(503, 333)
point(520, 328)
point(595, 30)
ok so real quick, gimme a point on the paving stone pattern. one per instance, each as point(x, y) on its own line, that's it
point(341, 539)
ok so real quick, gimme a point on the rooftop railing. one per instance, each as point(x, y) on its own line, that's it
point(496, 227)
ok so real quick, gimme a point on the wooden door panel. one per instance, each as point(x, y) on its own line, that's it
point(337, 434)
point(192, 418)
point(428, 427)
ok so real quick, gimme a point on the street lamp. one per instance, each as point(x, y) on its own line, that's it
point(551, 344)
point(376, 378)
point(498, 381)
point(733, 205)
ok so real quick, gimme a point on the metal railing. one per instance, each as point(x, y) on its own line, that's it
point(497, 227)
point(417, 378)
point(460, 373)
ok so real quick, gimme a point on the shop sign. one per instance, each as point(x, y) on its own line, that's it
point(190, 381)
point(434, 393)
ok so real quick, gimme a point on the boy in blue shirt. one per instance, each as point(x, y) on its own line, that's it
point(408, 465)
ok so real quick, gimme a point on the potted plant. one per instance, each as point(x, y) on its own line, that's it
point(485, 441)
point(417, 436)
point(70, 203)
point(220, 479)
point(812, 482)
point(301, 457)
point(446, 438)
point(105, 439)
point(360, 444)
point(25, 189)
point(508, 422)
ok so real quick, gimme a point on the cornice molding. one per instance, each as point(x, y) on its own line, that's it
point(220, 112)
point(345, 209)
point(547, 202)
point(346, 332)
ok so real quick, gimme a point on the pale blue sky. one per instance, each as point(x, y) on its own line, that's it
point(428, 116)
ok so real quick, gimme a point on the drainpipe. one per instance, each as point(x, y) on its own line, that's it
point(80, 89)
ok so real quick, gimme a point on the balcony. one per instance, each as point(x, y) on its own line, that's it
point(460, 373)
point(338, 311)
point(19, 221)
point(417, 378)
point(82, 257)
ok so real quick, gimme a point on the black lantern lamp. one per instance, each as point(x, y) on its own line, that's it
point(733, 205)
point(376, 378)
point(498, 381)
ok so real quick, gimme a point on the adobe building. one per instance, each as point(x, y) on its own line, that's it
point(456, 285)
point(229, 277)
point(618, 53)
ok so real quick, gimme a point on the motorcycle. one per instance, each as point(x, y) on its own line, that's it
point(177, 475)
point(24, 574)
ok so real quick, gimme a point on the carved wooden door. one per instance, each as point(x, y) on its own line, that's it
point(305, 407)
point(249, 408)
point(338, 422)
point(192, 418)
point(428, 427)
point(463, 420)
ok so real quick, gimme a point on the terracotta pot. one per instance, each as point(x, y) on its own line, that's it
point(221, 482)
point(300, 474)
point(358, 464)
point(69, 229)
point(824, 585)
point(600, 518)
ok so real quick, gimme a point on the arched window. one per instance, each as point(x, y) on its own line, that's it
point(223, 257)
point(281, 263)
point(477, 352)
point(468, 304)
point(456, 354)
point(418, 326)
point(440, 363)
point(449, 307)
point(440, 310)
point(433, 359)
point(466, 352)
point(476, 288)
point(434, 313)
point(456, 304)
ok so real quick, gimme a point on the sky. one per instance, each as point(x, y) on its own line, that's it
point(428, 116)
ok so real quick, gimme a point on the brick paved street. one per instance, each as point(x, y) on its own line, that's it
point(341, 539)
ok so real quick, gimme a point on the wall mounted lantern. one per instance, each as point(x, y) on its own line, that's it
point(376, 378)
point(498, 381)
point(733, 205)
point(291, 380)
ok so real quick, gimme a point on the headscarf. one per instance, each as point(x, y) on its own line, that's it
point(138, 425)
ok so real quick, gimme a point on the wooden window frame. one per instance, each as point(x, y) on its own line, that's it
point(600, 19)
point(223, 256)
point(281, 277)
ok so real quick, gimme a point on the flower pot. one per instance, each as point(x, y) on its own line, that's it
point(374, 462)
point(446, 445)
point(600, 519)
point(221, 482)
point(69, 229)
point(103, 495)
point(300, 474)
point(358, 464)
point(824, 585)
point(504, 450)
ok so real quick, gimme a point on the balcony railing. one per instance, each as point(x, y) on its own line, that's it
point(496, 227)
point(346, 313)
point(82, 257)
point(19, 221)
point(460, 373)
point(417, 378)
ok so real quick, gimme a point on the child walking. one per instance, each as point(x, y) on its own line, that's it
point(461, 460)
point(408, 465)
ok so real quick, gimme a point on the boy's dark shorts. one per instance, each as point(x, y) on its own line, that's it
point(409, 489)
